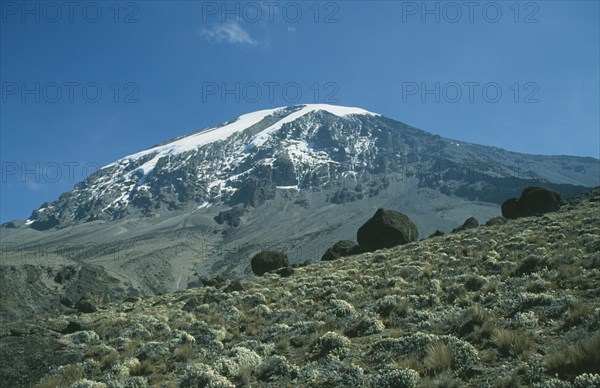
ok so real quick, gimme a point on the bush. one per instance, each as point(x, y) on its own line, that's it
point(511, 342)
point(576, 359)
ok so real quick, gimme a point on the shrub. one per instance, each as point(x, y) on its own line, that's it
point(575, 359)
point(395, 378)
point(438, 357)
point(329, 343)
point(513, 343)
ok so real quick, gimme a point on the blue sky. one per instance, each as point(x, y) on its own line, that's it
point(86, 85)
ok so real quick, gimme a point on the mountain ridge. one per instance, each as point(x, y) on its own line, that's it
point(298, 158)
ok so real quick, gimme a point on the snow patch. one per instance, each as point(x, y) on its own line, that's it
point(341, 111)
point(197, 140)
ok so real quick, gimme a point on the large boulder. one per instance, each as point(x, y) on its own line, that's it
point(533, 201)
point(268, 261)
point(469, 223)
point(341, 249)
point(387, 228)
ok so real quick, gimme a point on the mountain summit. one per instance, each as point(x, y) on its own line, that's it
point(303, 148)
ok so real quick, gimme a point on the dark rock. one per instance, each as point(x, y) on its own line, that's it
point(341, 248)
point(496, 221)
point(387, 228)
point(302, 202)
point(192, 303)
point(86, 305)
point(65, 274)
point(474, 283)
point(300, 265)
point(345, 195)
point(533, 201)
point(195, 284)
point(73, 327)
point(231, 217)
point(267, 261)
point(235, 285)
point(469, 223)
point(216, 282)
point(530, 265)
point(510, 209)
point(45, 224)
point(285, 271)
point(254, 192)
point(284, 173)
point(66, 302)
point(437, 233)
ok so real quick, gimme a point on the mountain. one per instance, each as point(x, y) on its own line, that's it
point(296, 178)
point(299, 148)
point(516, 304)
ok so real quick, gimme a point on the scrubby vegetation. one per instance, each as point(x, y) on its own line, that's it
point(505, 305)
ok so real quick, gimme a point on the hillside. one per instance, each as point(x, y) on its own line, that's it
point(296, 178)
point(504, 305)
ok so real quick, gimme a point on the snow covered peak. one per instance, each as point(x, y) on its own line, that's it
point(336, 110)
point(213, 134)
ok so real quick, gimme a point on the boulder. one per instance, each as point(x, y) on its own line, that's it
point(437, 233)
point(341, 248)
point(285, 272)
point(217, 281)
point(510, 208)
point(496, 221)
point(267, 261)
point(231, 217)
point(533, 201)
point(387, 228)
point(73, 327)
point(469, 223)
point(235, 285)
point(86, 305)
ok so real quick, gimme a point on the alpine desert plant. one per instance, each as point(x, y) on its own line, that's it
point(330, 342)
point(514, 343)
point(396, 378)
point(438, 357)
point(184, 352)
point(575, 359)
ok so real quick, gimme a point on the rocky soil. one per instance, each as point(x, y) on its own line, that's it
point(514, 304)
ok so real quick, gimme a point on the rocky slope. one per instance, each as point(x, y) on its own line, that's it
point(297, 179)
point(505, 305)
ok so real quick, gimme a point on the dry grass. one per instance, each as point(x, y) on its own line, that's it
point(438, 358)
point(70, 375)
point(109, 360)
point(575, 359)
point(514, 343)
point(144, 368)
point(184, 352)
